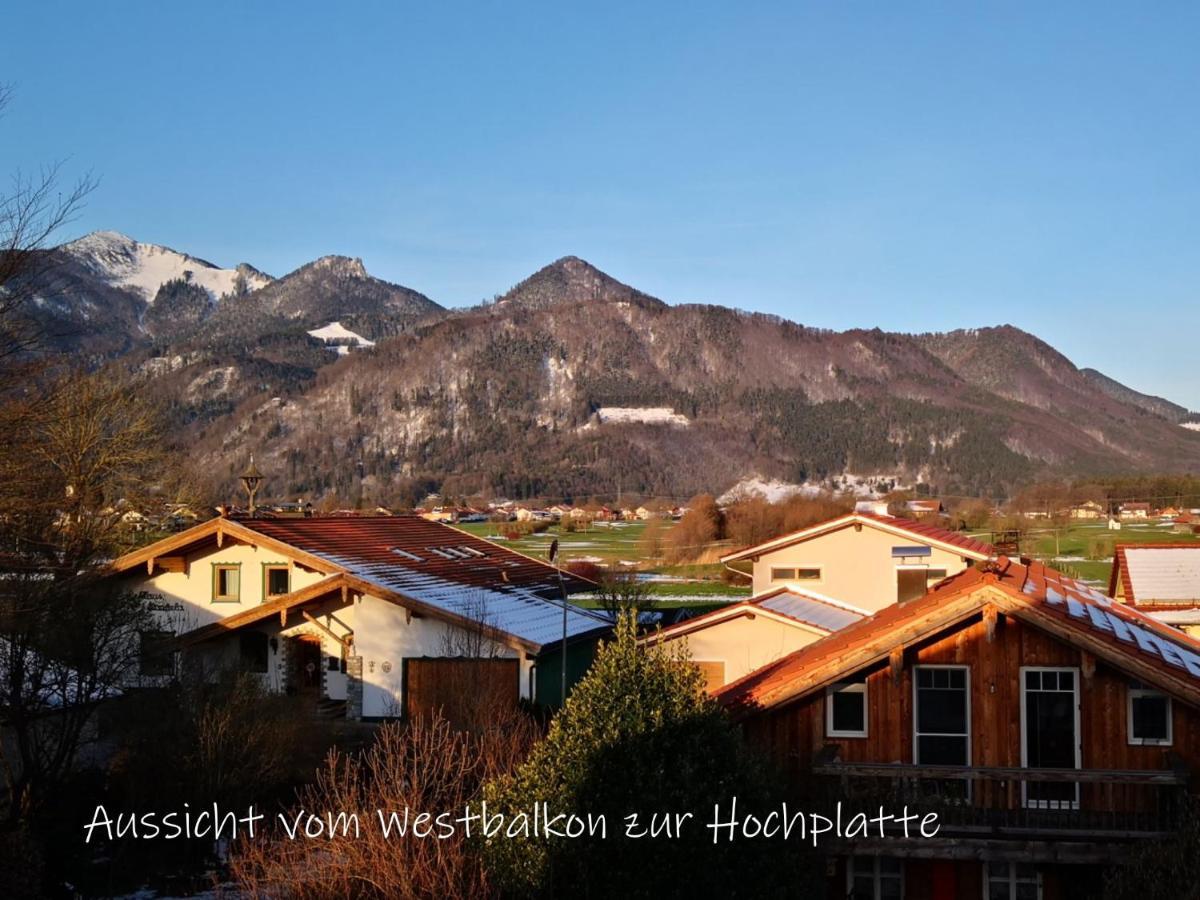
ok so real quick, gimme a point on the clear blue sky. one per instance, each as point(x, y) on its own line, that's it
point(908, 166)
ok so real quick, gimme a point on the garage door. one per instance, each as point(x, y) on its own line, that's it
point(466, 691)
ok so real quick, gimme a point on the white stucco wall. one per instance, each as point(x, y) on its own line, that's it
point(385, 637)
point(193, 589)
point(857, 567)
point(745, 644)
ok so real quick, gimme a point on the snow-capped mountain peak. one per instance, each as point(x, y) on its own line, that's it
point(126, 263)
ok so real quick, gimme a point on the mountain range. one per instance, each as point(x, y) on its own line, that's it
point(573, 384)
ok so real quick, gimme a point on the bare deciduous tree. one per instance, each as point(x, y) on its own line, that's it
point(621, 592)
point(32, 210)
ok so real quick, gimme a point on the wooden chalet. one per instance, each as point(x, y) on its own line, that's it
point(1051, 728)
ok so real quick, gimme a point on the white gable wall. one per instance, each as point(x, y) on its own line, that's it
point(186, 598)
point(744, 644)
point(857, 567)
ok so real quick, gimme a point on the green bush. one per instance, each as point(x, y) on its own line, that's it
point(637, 735)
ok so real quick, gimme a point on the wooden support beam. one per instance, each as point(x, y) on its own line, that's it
point(172, 563)
point(220, 537)
point(991, 619)
point(896, 663)
point(329, 631)
point(283, 617)
point(150, 566)
point(1087, 665)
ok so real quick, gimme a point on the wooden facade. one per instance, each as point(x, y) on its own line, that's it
point(1125, 792)
point(794, 734)
point(461, 688)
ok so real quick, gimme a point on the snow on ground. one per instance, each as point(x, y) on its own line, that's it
point(126, 263)
point(772, 490)
point(1193, 426)
point(646, 415)
point(340, 338)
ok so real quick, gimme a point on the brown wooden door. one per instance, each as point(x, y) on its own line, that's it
point(466, 691)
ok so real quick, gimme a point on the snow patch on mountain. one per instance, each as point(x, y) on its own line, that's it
point(338, 337)
point(645, 415)
point(770, 489)
point(144, 268)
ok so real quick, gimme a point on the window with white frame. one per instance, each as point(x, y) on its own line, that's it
point(942, 716)
point(1011, 881)
point(875, 878)
point(846, 709)
point(1149, 715)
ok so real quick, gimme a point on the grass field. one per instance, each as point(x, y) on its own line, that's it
point(1081, 550)
point(1070, 548)
point(620, 543)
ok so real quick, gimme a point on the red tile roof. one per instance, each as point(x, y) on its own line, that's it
point(419, 545)
point(1068, 605)
point(924, 531)
point(407, 559)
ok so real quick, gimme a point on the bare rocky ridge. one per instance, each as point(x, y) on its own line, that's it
point(518, 396)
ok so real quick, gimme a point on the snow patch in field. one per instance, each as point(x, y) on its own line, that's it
point(645, 415)
point(338, 337)
point(1190, 426)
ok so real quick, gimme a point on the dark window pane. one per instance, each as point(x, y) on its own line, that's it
point(277, 581)
point(1150, 714)
point(941, 711)
point(942, 751)
point(1050, 730)
point(848, 711)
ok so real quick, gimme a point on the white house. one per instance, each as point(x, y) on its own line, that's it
point(735, 640)
point(862, 560)
point(357, 609)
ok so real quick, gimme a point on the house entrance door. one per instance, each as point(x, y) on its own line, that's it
point(304, 664)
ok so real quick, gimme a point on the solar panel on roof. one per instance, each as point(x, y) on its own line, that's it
point(1120, 629)
point(1099, 619)
point(410, 556)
